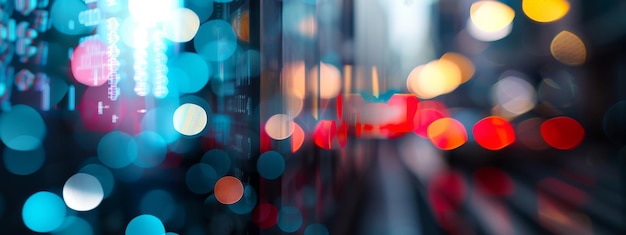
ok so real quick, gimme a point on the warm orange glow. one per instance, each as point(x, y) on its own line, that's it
point(308, 26)
point(447, 133)
point(347, 79)
point(329, 80)
point(465, 65)
point(491, 16)
point(545, 10)
point(375, 82)
point(293, 105)
point(568, 48)
point(436, 78)
point(428, 112)
point(297, 138)
point(228, 190)
point(293, 79)
point(241, 25)
point(279, 127)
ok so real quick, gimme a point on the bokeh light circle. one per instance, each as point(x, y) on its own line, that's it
point(190, 119)
point(241, 25)
point(216, 40)
point(189, 72)
point(22, 128)
point(201, 178)
point(247, 202)
point(159, 120)
point(151, 148)
point(316, 229)
point(464, 64)
point(104, 176)
point(494, 133)
point(90, 63)
point(289, 219)
point(279, 126)
point(329, 81)
point(23, 162)
point(427, 112)
point(117, 149)
point(64, 17)
point(491, 16)
point(203, 8)
point(219, 160)
point(181, 25)
point(568, 48)
point(514, 95)
point(228, 190)
point(545, 11)
point(82, 192)
point(265, 215)
point(44, 212)
point(562, 133)
point(447, 133)
point(159, 203)
point(145, 225)
point(270, 165)
point(436, 78)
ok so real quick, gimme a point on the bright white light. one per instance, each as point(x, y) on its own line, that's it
point(190, 119)
point(150, 12)
point(82, 192)
point(279, 127)
point(181, 26)
point(488, 36)
point(514, 95)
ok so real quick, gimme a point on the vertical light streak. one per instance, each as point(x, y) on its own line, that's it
point(160, 65)
point(45, 96)
point(141, 63)
point(347, 79)
point(113, 53)
point(71, 99)
point(375, 88)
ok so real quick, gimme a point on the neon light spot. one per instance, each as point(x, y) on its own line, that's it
point(494, 133)
point(90, 63)
point(43, 212)
point(447, 133)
